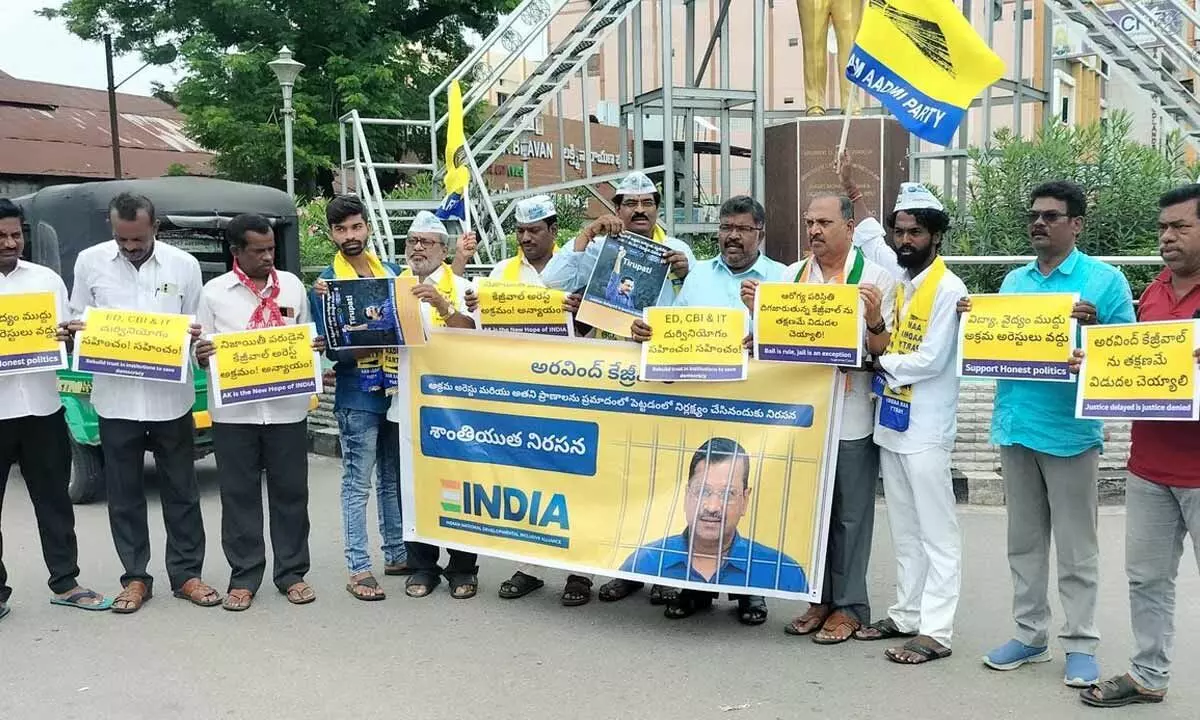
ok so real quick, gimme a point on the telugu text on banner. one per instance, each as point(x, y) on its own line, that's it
point(130, 343)
point(1139, 371)
point(28, 327)
point(808, 323)
point(1017, 337)
point(553, 452)
point(256, 365)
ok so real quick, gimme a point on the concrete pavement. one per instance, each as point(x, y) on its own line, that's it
point(442, 658)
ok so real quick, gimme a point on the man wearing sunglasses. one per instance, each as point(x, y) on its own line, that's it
point(1049, 460)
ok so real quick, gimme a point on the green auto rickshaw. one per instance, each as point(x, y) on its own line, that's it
point(193, 212)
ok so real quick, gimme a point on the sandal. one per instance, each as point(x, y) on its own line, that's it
point(519, 585)
point(300, 593)
point(838, 628)
point(73, 600)
point(421, 583)
point(884, 629)
point(4, 610)
point(238, 600)
point(1118, 692)
point(577, 591)
point(810, 622)
point(466, 589)
point(619, 589)
point(132, 598)
point(661, 595)
point(366, 588)
point(752, 610)
point(197, 592)
point(923, 647)
point(687, 603)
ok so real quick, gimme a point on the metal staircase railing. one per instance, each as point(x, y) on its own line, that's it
point(1149, 72)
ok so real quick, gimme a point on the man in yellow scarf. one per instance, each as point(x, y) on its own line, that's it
point(915, 430)
point(368, 441)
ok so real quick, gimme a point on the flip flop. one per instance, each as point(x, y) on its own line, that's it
point(73, 601)
point(4, 610)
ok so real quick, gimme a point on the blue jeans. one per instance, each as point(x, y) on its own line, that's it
point(369, 440)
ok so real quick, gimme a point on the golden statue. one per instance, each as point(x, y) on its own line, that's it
point(815, 18)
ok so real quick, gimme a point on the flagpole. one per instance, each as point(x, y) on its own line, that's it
point(846, 113)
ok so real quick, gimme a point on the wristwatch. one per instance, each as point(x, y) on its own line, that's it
point(877, 329)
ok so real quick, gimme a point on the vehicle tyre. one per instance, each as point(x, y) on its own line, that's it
point(87, 474)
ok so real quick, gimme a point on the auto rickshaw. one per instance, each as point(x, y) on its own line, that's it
point(193, 213)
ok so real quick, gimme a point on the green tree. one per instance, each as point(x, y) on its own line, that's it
point(380, 57)
point(1123, 179)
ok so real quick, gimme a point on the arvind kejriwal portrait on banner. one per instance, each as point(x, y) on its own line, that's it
point(710, 549)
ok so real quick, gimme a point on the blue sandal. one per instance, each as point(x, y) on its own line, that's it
point(74, 601)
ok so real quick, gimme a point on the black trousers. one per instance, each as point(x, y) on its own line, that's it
point(41, 448)
point(244, 453)
point(125, 443)
point(423, 557)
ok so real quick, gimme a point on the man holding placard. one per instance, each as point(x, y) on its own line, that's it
point(136, 272)
point(637, 201)
point(915, 430)
point(845, 604)
point(1162, 492)
point(1051, 479)
point(33, 427)
point(717, 283)
point(442, 296)
point(266, 436)
point(365, 379)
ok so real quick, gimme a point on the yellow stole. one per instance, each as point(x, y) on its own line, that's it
point(512, 271)
point(445, 288)
point(911, 327)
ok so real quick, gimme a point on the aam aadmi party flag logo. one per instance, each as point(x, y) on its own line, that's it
point(924, 62)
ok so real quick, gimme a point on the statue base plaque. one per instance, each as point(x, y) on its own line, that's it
point(800, 162)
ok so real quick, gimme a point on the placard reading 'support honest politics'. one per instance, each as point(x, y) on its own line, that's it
point(1017, 337)
point(129, 343)
point(513, 307)
point(1139, 371)
point(257, 365)
point(628, 278)
point(808, 323)
point(695, 344)
point(28, 327)
point(554, 452)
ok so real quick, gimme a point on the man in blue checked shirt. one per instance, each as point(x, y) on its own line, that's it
point(1049, 460)
point(710, 549)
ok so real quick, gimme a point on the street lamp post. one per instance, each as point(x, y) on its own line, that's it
point(286, 69)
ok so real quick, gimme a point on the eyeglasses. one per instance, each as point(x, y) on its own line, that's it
point(701, 492)
point(1047, 216)
point(639, 204)
point(420, 243)
point(725, 229)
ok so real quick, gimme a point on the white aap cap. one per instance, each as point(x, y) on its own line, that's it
point(538, 207)
point(427, 222)
point(636, 184)
point(915, 196)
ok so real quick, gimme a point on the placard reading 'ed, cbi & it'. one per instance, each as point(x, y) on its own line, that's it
point(1139, 371)
point(808, 323)
point(1017, 337)
point(695, 344)
point(257, 365)
point(28, 328)
point(129, 343)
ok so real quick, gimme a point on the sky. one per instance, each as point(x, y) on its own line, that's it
point(35, 48)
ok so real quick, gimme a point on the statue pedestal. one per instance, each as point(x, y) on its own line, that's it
point(800, 162)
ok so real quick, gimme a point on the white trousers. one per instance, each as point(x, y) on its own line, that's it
point(925, 536)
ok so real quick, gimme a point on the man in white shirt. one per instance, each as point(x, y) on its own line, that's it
point(845, 603)
point(443, 304)
point(33, 433)
point(135, 272)
point(263, 437)
point(915, 429)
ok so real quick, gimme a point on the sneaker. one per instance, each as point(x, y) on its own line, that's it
point(1082, 670)
point(1013, 654)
